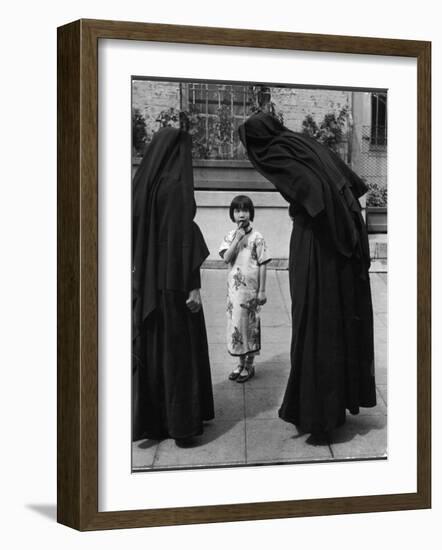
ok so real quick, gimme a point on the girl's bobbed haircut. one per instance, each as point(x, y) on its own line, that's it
point(242, 202)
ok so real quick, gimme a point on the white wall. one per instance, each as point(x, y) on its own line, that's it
point(28, 306)
point(271, 219)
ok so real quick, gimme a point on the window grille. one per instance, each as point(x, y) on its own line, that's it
point(378, 119)
point(220, 109)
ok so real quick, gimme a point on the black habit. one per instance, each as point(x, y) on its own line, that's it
point(172, 388)
point(332, 351)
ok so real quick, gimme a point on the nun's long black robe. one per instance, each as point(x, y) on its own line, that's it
point(332, 353)
point(172, 388)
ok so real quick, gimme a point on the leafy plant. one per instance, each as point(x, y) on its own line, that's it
point(377, 195)
point(330, 131)
point(310, 127)
point(260, 100)
point(203, 146)
point(139, 133)
point(168, 117)
point(212, 136)
point(222, 133)
point(223, 125)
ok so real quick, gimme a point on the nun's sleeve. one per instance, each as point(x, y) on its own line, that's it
point(195, 279)
point(199, 253)
point(294, 178)
point(298, 184)
point(358, 186)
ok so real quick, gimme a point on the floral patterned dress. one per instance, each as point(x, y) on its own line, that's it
point(243, 322)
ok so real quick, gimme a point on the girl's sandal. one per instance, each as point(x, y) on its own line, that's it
point(236, 372)
point(250, 373)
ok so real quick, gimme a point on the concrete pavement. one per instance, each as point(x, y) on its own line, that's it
point(246, 428)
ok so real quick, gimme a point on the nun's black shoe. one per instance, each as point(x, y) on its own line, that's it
point(321, 437)
point(185, 442)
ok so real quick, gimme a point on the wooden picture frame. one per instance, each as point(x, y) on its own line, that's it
point(77, 461)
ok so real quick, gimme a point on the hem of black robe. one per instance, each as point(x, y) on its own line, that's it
point(246, 353)
point(309, 428)
point(366, 404)
point(159, 436)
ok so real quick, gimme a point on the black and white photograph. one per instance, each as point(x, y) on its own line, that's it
point(259, 274)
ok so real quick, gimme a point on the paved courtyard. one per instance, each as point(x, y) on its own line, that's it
point(246, 429)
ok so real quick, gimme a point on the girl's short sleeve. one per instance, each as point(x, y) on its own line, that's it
point(262, 252)
point(225, 243)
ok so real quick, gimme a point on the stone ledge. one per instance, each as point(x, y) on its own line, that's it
point(379, 265)
point(276, 263)
point(261, 199)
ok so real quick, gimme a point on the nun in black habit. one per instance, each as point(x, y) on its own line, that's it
point(332, 352)
point(172, 387)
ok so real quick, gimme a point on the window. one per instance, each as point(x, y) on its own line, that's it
point(218, 110)
point(378, 118)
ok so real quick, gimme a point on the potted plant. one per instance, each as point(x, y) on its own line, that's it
point(330, 132)
point(376, 208)
point(139, 134)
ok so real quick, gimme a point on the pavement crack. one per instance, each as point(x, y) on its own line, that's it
point(155, 456)
point(282, 295)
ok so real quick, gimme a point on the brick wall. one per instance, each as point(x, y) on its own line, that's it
point(296, 104)
point(152, 97)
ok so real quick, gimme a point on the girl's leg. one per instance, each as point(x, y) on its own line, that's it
point(249, 360)
point(248, 370)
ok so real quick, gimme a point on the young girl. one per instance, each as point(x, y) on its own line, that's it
point(245, 251)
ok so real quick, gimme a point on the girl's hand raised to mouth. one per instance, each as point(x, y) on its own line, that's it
point(239, 234)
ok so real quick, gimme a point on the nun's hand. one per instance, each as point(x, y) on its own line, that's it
point(193, 301)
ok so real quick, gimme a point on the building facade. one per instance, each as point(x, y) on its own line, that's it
point(221, 169)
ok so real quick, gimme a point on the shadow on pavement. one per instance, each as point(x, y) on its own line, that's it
point(358, 425)
point(148, 443)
